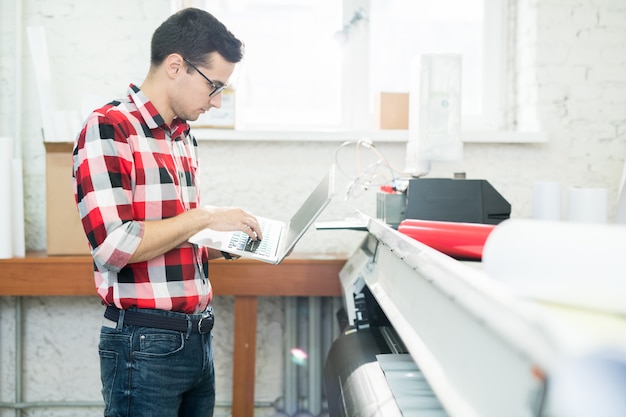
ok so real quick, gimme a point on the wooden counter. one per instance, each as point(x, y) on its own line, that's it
point(40, 275)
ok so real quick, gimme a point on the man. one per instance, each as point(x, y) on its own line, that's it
point(136, 182)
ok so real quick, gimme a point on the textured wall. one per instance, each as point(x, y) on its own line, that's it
point(570, 83)
point(7, 67)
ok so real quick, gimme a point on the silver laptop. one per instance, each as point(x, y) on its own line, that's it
point(279, 238)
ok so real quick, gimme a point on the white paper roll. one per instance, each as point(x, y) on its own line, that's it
point(620, 210)
point(6, 204)
point(580, 264)
point(588, 205)
point(17, 192)
point(547, 200)
point(43, 78)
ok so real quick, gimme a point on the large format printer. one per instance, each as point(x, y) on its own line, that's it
point(428, 335)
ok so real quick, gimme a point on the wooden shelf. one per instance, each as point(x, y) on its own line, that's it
point(40, 275)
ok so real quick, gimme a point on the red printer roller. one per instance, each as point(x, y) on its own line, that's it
point(459, 240)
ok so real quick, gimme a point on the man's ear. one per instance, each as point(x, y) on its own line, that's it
point(174, 65)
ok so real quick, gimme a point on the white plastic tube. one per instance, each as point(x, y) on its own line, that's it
point(6, 202)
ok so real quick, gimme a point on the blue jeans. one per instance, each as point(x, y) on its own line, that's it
point(148, 372)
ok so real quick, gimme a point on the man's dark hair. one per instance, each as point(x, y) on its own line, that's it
point(194, 34)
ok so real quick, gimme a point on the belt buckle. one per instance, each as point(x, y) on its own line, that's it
point(206, 315)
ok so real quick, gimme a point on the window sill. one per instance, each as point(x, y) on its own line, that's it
point(376, 136)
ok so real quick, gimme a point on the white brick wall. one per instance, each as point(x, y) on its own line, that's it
point(572, 84)
point(7, 66)
point(570, 74)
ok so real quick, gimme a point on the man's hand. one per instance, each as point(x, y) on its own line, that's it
point(233, 218)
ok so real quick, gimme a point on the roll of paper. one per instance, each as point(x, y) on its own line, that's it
point(588, 205)
point(6, 204)
point(43, 78)
point(17, 213)
point(579, 264)
point(547, 200)
point(459, 240)
point(620, 210)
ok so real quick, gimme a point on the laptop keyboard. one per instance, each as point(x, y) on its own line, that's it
point(242, 241)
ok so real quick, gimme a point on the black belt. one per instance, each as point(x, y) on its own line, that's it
point(200, 323)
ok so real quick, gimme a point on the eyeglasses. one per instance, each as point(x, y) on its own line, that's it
point(216, 89)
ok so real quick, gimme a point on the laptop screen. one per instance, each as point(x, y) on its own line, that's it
point(314, 204)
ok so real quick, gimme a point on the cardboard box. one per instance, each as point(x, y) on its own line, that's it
point(65, 235)
point(392, 111)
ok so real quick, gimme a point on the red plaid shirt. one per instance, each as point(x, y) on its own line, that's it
point(130, 166)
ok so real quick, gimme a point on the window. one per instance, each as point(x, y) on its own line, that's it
point(318, 64)
point(291, 74)
point(401, 30)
